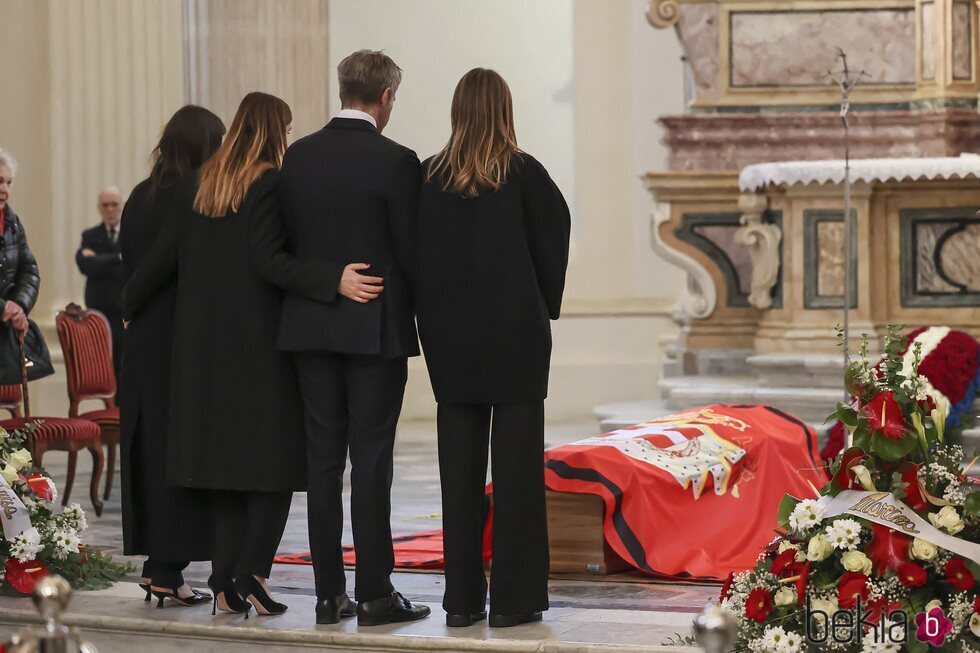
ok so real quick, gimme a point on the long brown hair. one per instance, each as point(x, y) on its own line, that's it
point(189, 138)
point(482, 142)
point(255, 143)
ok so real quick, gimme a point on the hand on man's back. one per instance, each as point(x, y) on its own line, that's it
point(359, 287)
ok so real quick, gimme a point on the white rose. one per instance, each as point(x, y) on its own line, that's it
point(922, 549)
point(20, 458)
point(785, 596)
point(9, 473)
point(935, 603)
point(948, 519)
point(827, 606)
point(819, 548)
point(856, 561)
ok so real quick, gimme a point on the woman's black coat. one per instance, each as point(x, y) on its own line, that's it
point(19, 276)
point(166, 523)
point(236, 419)
point(491, 273)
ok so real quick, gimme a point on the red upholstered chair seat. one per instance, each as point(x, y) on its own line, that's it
point(56, 429)
point(102, 416)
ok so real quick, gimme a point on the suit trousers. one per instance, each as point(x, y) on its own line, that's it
point(352, 403)
point(519, 573)
point(248, 527)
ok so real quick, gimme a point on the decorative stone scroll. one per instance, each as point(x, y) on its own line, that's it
point(762, 241)
point(699, 297)
point(664, 13)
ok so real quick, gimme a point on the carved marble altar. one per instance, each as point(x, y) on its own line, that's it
point(765, 259)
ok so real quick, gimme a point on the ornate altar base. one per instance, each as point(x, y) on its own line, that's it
point(765, 251)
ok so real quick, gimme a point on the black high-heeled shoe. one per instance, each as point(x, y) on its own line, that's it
point(253, 592)
point(224, 590)
point(146, 588)
point(197, 598)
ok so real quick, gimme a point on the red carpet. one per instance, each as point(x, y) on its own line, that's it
point(418, 551)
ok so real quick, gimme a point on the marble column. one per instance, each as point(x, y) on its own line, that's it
point(238, 46)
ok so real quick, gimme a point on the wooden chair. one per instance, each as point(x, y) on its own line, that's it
point(58, 434)
point(10, 397)
point(86, 342)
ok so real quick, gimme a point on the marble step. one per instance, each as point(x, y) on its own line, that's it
point(798, 370)
point(117, 621)
point(811, 404)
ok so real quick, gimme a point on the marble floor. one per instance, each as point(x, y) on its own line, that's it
point(625, 611)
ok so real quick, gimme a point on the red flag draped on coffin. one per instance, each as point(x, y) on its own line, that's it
point(693, 495)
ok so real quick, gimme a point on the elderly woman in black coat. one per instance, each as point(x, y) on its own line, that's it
point(236, 421)
point(169, 525)
point(19, 276)
point(493, 248)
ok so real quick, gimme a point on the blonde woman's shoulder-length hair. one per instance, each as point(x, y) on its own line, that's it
point(482, 144)
point(255, 143)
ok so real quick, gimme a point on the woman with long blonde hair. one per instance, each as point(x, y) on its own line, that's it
point(493, 248)
point(236, 426)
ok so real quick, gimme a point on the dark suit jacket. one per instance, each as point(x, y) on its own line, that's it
point(350, 195)
point(104, 272)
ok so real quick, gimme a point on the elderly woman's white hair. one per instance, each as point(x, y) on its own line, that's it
point(7, 160)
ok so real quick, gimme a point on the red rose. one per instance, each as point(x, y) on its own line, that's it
point(885, 415)
point(976, 605)
point(726, 589)
point(783, 561)
point(958, 575)
point(23, 575)
point(912, 575)
point(759, 604)
point(853, 584)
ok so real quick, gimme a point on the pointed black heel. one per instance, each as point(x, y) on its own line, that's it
point(224, 588)
point(253, 592)
point(197, 598)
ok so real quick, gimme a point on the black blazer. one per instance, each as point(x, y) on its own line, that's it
point(350, 195)
point(19, 276)
point(104, 272)
point(491, 275)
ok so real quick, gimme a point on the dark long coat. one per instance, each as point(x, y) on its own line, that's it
point(491, 273)
point(236, 419)
point(105, 276)
point(166, 523)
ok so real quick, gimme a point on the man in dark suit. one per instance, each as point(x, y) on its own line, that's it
point(349, 196)
point(99, 260)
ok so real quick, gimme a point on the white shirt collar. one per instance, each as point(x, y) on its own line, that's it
point(360, 115)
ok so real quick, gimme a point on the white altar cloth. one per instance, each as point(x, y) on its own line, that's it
point(787, 173)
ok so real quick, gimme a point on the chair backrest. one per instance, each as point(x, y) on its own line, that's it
point(10, 399)
point(86, 342)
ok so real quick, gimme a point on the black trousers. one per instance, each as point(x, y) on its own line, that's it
point(248, 528)
point(519, 573)
point(164, 574)
point(352, 403)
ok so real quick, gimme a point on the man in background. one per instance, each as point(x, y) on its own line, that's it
point(99, 260)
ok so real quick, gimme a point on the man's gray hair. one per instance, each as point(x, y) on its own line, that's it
point(365, 75)
point(7, 160)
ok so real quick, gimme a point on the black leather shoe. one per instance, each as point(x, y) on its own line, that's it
point(508, 620)
point(464, 620)
point(332, 610)
point(389, 610)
